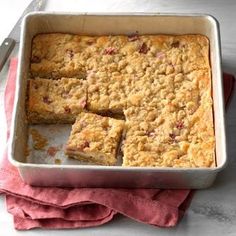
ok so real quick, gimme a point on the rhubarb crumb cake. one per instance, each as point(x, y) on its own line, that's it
point(174, 139)
point(180, 131)
point(56, 56)
point(95, 139)
point(56, 101)
point(160, 84)
point(133, 57)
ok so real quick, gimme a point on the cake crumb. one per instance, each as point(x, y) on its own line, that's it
point(57, 161)
point(39, 142)
point(52, 151)
point(27, 151)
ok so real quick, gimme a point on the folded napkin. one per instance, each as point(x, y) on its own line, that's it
point(58, 208)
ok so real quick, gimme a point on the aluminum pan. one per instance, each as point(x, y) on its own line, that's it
point(84, 23)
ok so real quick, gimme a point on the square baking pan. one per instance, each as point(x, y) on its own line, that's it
point(77, 175)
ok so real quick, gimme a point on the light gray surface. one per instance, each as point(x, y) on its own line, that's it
point(213, 211)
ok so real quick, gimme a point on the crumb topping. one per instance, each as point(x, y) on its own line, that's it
point(161, 83)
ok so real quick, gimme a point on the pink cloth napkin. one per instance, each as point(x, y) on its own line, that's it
point(58, 208)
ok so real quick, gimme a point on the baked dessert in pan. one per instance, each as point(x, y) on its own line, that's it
point(159, 84)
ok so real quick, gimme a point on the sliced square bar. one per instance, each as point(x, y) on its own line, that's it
point(56, 101)
point(95, 139)
point(59, 55)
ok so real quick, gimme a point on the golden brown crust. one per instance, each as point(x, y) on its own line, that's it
point(95, 138)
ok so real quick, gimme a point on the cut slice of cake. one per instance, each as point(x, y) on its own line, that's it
point(58, 55)
point(56, 101)
point(95, 139)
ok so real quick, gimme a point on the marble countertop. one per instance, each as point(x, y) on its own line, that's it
point(213, 211)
